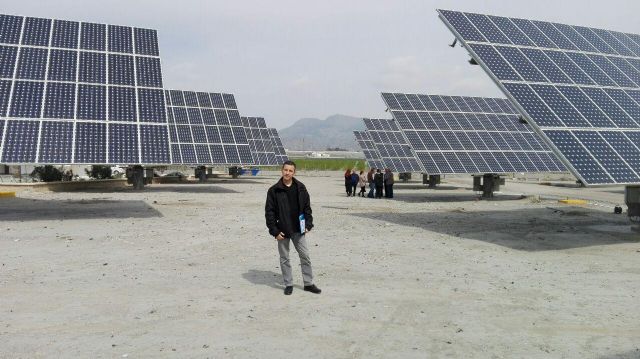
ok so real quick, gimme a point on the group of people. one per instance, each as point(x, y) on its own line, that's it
point(379, 183)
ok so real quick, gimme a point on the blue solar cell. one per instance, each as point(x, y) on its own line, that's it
point(494, 164)
point(480, 163)
point(91, 102)
point(10, 28)
point(148, 72)
point(176, 155)
point(5, 91)
point(62, 65)
point(546, 66)
point(529, 166)
point(534, 33)
point(570, 68)
point(93, 36)
point(122, 103)
point(199, 135)
point(495, 62)
point(90, 143)
point(216, 100)
point(462, 25)
point(120, 39)
point(32, 63)
point(608, 158)
point(560, 106)
point(121, 70)
point(504, 162)
point(391, 101)
point(488, 140)
point(627, 42)
point(521, 64)
point(177, 99)
point(558, 38)
point(594, 40)
point(612, 41)
point(226, 134)
point(202, 154)
point(231, 153)
point(585, 63)
point(245, 155)
point(190, 98)
point(585, 106)
point(221, 118)
point(151, 106)
point(60, 100)
point(184, 133)
point(532, 104)
point(487, 28)
point(92, 67)
point(65, 34)
point(8, 56)
point(570, 33)
point(441, 162)
point(123, 144)
point(625, 147)
point(21, 141)
point(240, 137)
point(36, 31)
point(180, 115)
point(208, 118)
point(627, 103)
point(56, 142)
point(217, 154)
point(229, 100)
point(203, 99)
point(27, 99)
point(213, 135)
point(415, 102)
point(513, 33)
point(578, 156)
point(195, 118)
point(146, 42)
point(452, 140)
point(615, 113)
point(467, 162)
point(154, 144)
point(427, 102)
point(629, 70)
point(188, 154)
point(612, 71)
point(167, 98)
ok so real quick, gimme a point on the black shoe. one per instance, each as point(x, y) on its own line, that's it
point(288, 290)
point(312, 288)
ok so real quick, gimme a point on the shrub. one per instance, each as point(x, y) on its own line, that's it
point(99, 172)
point(47, 173)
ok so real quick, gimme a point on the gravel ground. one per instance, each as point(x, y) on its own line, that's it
point(189, 271)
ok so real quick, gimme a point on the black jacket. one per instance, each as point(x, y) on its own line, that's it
point(378, 179)
point(277, 211)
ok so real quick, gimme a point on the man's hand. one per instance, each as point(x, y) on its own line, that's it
point(280, 236)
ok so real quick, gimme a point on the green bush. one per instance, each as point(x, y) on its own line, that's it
point(99, 172)
point(47, 173)
point(329, 164)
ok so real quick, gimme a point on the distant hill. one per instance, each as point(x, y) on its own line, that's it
point(316, 134)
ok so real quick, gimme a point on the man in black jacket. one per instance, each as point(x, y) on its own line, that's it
point(288, 216)
point(378, 179)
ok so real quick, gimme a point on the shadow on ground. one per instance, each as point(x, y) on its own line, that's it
point(22, 209)
point(633, 354)
point(536, 229)
point(462, 196)
point(176, 188)
point(263, 277)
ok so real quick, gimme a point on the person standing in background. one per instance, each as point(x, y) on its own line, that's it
point(370, 174)
point(388, 183)
point(354, 181)
point(362, 183)
point(378, 179)
point(347, 182)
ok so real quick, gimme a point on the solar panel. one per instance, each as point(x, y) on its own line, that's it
point(278, 147)
point(456, 134)
point(80, 93)
point(259, 141)
point(579, 87)
point(205, 129)
point(391, 145)
point(370, 152)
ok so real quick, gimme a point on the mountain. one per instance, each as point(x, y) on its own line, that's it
point(316, 134)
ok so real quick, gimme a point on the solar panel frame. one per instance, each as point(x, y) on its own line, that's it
point(589, 88)
point(450, 129)
point(63, 78)
point(260, 142)
point(189, 116)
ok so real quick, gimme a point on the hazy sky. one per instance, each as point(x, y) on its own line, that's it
point(285, 60)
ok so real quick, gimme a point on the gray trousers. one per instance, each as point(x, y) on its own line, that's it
point(303, 251)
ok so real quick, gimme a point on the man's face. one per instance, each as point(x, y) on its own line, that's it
point(288, 171)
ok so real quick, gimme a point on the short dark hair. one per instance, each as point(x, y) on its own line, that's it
point(288, 162)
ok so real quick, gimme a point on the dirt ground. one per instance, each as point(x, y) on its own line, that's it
point(189, 271)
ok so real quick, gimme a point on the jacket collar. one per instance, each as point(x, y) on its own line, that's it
point(280, 184)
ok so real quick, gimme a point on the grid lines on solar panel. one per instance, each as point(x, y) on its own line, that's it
point(204, 130)
point(457, 134)
point(87, 77)
point(278, 147)
point(567, 80)
point(371, 154)
point(260, 142)
point(393, 148)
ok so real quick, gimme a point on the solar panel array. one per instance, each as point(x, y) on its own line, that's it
point(391, 145)
point(79, 92)
point(454, 134)
point(278, 147)
point(259, 141)
point(370, 152)
point(206, 129)
point(579, 86)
